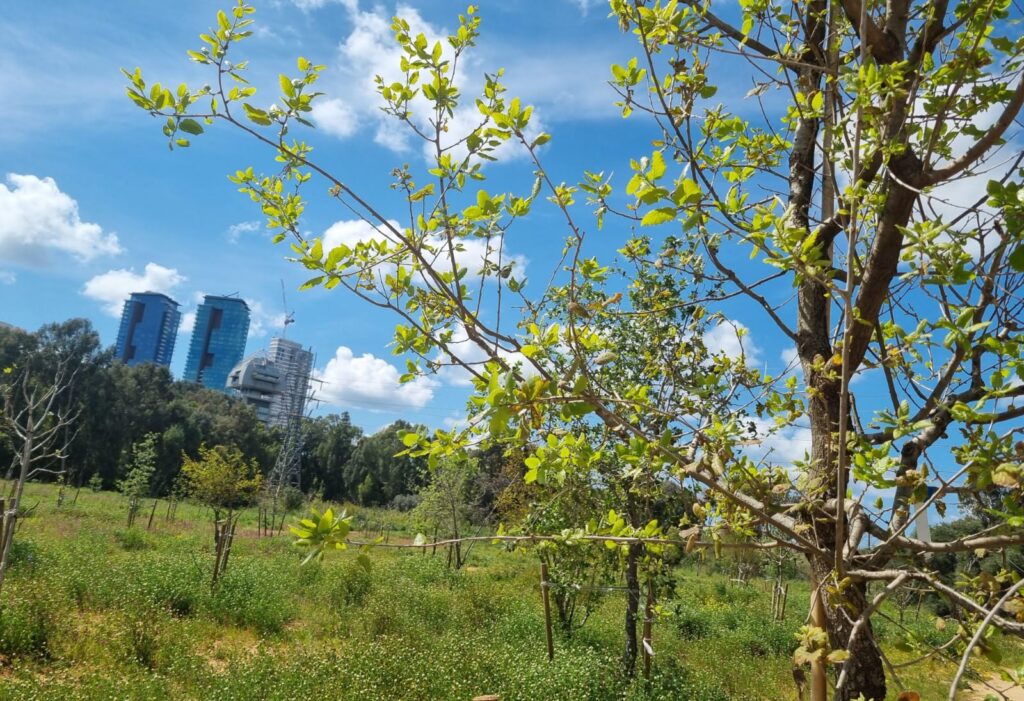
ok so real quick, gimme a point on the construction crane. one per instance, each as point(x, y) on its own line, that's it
point(289, 316)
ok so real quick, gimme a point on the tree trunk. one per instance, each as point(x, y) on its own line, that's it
point(632, 607)
point(10, 516)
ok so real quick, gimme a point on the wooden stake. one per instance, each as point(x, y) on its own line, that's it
point(152, 513)
point(819, 679)
point(547, 609)
point(647, 643)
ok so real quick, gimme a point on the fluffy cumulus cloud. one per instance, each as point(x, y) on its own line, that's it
point(471, 254)
point(113, 287)
point(733, 339)
point(336, 117)
point(370, 50)
point(38, 220)
point(368, 382)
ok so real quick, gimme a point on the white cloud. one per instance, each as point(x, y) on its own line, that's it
point(472, 254)
point(568, 82)
point(308, 5)
point(367, 382)
point(733, 339)
point(781, 447)
point(236, 231)
point(336, 117)
point(586, 5)
point(113, 287)
point(456, 420)
point(370, 50)
point(474, 356)
point(262, 321)
point(188, 322)
point(790, 361)
point(7, 277)
point(353, 231)
point(37, 219)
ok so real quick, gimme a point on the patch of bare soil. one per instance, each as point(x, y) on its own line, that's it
point(995, 687)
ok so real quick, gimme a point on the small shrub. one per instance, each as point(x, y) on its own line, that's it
point(292, 499)
point(25, 628)
point(23, 555)
point(768, 640)
point(139, 641)
point(350, 584)
point(405, 502)
point(253, 596)
point(692, 624)
point(131, 539)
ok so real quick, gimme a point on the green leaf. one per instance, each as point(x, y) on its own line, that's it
point(1017, 257)
point(410, 439)
point(286, 85)
point(190, 126)
point(657, 166)
point(658, 216)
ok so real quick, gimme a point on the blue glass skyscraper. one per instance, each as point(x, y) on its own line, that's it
point(149, 326)
point(218, 341)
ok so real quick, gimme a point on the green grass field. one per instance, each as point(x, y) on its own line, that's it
point(92, 611)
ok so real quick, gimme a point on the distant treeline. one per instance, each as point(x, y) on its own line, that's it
point(119, 405)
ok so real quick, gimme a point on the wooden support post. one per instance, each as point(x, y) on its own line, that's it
point(647, 644)
point(547, 609)
point(785, 597)
point(218, 531)
point(819, 678)
point(152, 513)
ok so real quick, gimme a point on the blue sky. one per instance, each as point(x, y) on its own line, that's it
point(93, 206)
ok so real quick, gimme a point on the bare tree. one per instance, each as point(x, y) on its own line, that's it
point(41, 425)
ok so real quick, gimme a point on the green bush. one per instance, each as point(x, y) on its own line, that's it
point(26, 627)
point(137, 638)
point(692, 624)
point(350, 584)
point(23, 555)
point(253, 596)
point(132, 539)
point(172, 583)
point(765, 638)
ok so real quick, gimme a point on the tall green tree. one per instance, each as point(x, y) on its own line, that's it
point(330, 443)
point(826, 211)
point(377, 472)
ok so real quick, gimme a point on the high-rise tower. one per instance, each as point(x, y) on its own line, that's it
point(149, 327)
point(218, 340)
point(295, 364)
point(275, 383)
